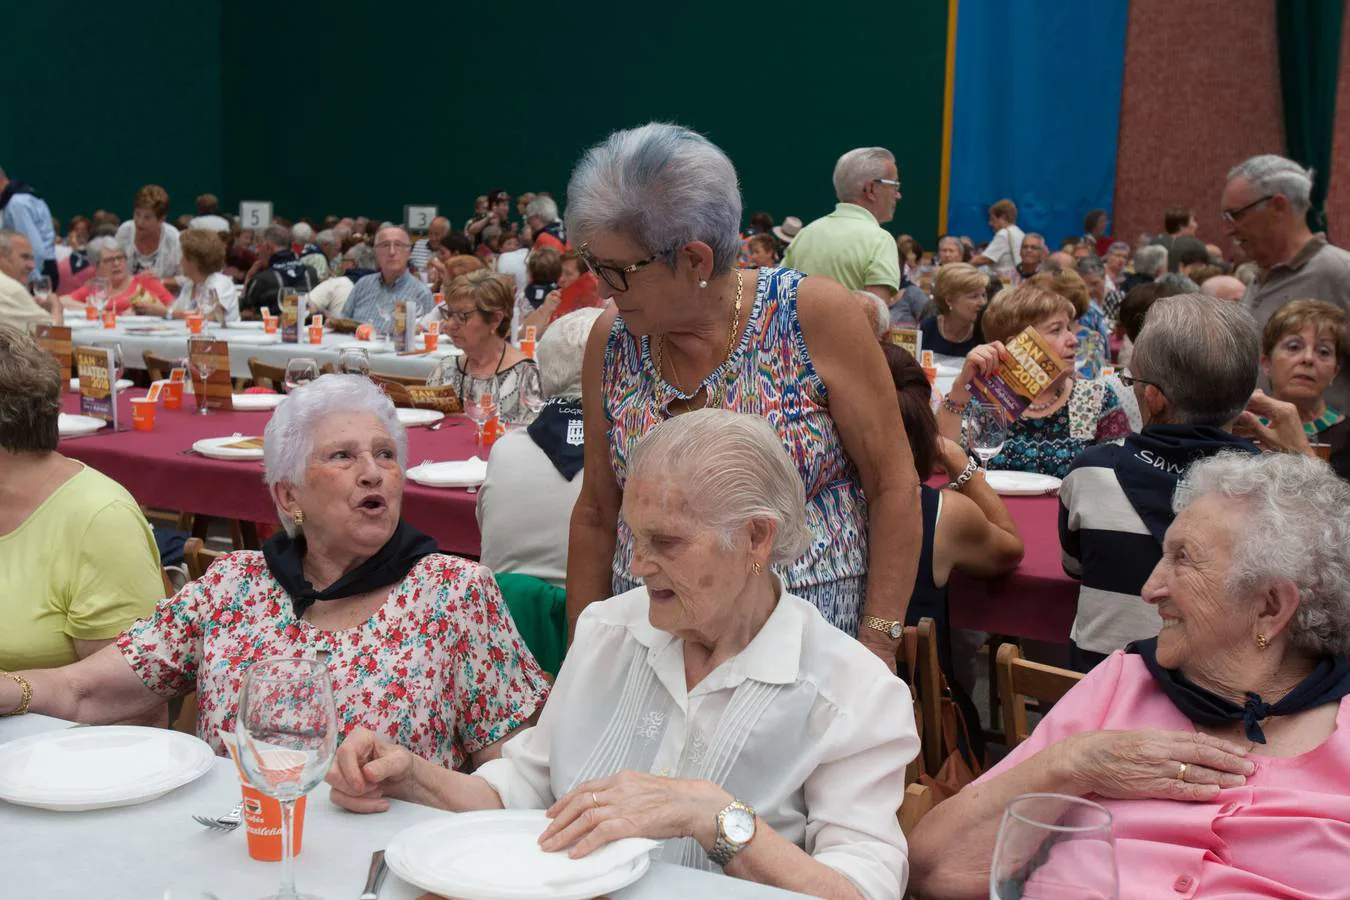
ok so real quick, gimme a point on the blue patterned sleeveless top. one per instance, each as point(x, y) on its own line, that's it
point(771, 375)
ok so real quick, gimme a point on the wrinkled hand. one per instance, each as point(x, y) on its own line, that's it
point(367, 770)
point(882, 645)
point(633, 804)
point(553, 300)
point(983, 360)
point(952, 457)
point(1284, 433)
point(1139, 765)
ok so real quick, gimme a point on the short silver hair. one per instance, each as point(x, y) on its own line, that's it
point(1202, 352)
point(1090, 265)
point(98, 246)
point(302, 233)
point(877, 312)
point(288, 439)
point(1296, 529)
point(734, 470)
point(1271, 174)
point(858, 168)
point(362, 255)
point(662, 186)
point(1115, 245)
point(953, 239)
point(327, 236)
point(1149, 259)
point(560, 352)
point(543, 207)
point(1179, 281)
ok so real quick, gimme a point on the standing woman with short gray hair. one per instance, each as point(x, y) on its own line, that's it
point(655, 212)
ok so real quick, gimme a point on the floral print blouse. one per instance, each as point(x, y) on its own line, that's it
point(1049, 446)
point(440, 668)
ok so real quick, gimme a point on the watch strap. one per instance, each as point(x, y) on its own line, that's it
point(887, 627)
point(724, 848)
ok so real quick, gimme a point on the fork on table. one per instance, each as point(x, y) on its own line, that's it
point(228, 822)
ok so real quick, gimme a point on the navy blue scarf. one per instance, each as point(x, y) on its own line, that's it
point(1329, 682)
point(559, 432)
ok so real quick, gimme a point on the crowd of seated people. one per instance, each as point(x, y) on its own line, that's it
point(733, 491)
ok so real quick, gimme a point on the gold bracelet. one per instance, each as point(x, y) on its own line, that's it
point(27, 694)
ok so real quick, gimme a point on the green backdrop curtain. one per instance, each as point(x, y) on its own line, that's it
point(1309, 40)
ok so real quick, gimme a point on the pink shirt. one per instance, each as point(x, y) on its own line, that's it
point(1285, 833)
point(142, 287)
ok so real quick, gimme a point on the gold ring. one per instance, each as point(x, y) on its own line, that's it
point(1181, 771)
point(596, 800)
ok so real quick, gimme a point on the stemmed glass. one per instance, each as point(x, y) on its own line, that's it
point(985, 431)
point(1051, 846)
point(354, 361)
point(202, 366)
point(479, 411)
point(300, 371)
point(384, 327)
point(42, 289)
point(531, 392)
point(119, 363)
point(287, 735)
point(208, 305)
point(98, 294)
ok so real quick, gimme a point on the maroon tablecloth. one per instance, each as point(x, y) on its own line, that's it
point(158, 472)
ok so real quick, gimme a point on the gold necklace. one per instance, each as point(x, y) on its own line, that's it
point(713, 394)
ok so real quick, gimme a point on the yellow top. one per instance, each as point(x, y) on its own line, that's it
point(83, 566)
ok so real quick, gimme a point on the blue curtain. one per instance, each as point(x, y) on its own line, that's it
point(1036, 111)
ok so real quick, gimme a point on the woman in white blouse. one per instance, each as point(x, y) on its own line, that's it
point(150, 242)
point(203, 256)
point(707, 708)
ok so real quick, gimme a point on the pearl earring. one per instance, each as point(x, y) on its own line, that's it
point(703, 284)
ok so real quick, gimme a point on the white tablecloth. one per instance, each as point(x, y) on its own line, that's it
point(244, 343)
point(155, 850)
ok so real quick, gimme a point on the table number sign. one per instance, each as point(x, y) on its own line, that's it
point(209, 362)
point(292, 316)
point(910, 339)
point(98, 374)
point(418, 218)
point(55, 339)
point(255, 214)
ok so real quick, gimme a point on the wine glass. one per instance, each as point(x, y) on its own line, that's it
point(985, 431)
point(300, 371)
point(479, 411)
point(354, 361)
point(98, 294)
point(118, 361)
point(1051, 846)
point(531, 392)
point(202, 366)
point(286, 729)
point(208, 305)
point(384, 326)
point(42, 288)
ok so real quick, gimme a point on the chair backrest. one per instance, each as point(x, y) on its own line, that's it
point(921, 641)
point(406, 380)
point(919, 799)
point(158, 366)
point(1019, 679)
point(273, 376)
point(198, 558)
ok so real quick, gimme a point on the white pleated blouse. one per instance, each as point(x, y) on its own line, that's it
point(805, 725)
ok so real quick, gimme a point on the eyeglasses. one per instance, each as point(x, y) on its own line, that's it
point(462, 316)
point(110, 259)
point(391, 246)
point(1130, 381)
point(889, 182)
point(1232, 215)
point(617, 276)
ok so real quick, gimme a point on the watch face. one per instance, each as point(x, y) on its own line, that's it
point(897, 629)
point(738, 825)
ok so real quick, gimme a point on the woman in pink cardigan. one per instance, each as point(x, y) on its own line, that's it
point(1222, 747)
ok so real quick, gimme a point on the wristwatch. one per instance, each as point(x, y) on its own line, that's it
point(893, 630)
point(735, 829)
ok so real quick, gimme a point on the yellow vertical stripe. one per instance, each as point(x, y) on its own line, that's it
point(944, 195)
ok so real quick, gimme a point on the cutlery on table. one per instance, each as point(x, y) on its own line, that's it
point(228, 822)
point(375, 880)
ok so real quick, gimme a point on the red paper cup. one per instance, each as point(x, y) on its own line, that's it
point(270, 325)
point(431, 341)
point(262, 818)
point(109, 318)
point(143, 413)
point(173, 395)
point(90, 313)
point(364, 332)
point(316, 334)
point(195, 322)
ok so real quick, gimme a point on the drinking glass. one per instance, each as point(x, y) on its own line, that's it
point(479, 412)
point(203, 368)
point(1053, 846)
point(98, 294)
point(287, 734)
point(354, 361)
point(118, 361)
point(208, 305)
point(300, 371)
point(42, 288)
point(384, 326)
point(985, 431)
point(531, 392)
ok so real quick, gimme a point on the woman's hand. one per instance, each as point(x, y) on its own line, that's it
point(552, 302)
point(952, 457)
point(1284, 433)
point(1139, 765)
point(367, 770)
point(983, 360)
point(633, 804)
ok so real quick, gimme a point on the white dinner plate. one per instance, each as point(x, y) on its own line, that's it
point(122, 384)
point(215, 448)
point(411, 418)
point(250, 338)
point(69, 425)
point(75, 324)
point(368, 346)
point(94, 768)
point(243, 325)
point(456, 473)
point(136, 319)
point(252, 402)
point(495, 855)
point(1022, 484)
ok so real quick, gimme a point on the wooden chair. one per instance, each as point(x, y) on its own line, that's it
point(158, 366)
point(919, 799)
point(406, 380)
point(266, 374)
point(186, 719)
point(1019, 679)
point(198, 558)
point(928, 707)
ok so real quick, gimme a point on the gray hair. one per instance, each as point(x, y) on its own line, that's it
point(6, 235)
point(952, 239)
point(560, 352)
point(735, 470)
point(1271, 174)
point(327, 237)
point(1180, 282)
point(1296, 529)
point(1090, 265)
point(277, 235)
point(1149, 259)
point(302, 233)
point(877, 312)
point(661, 185)
point(543, 207)
point(288, 438)
point(362, 255)
point(1246, 273)
point(1202, 352)
point(98, 246)
point(1115, 245)
point(857, 169)
point(1038, 236)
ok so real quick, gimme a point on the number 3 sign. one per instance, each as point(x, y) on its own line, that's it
point(418, 218)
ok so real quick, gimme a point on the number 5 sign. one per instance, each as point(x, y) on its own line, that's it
point(418, 218)
point(255, 214)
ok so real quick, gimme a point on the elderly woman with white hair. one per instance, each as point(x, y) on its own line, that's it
point(124, 290)
point(656, 214)
point(1221, 747)
point(541, 214)
point(708, 707)
point(419, 645)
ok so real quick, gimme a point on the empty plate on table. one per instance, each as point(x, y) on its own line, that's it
point(243, 325)
point(234, 447)
point(456, 473)
point(1022, 484)
point(249, 337)
point(122, 384)
point(251, 402)
point(368, 346)
point(411, 418)
point(495, 855)
point(69, 425)
point(93, 768)
point(136, 319)
point(75, 324)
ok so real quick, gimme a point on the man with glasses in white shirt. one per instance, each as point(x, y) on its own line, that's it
point(372, 299)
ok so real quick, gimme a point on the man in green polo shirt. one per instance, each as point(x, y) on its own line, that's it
point(849, 245)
